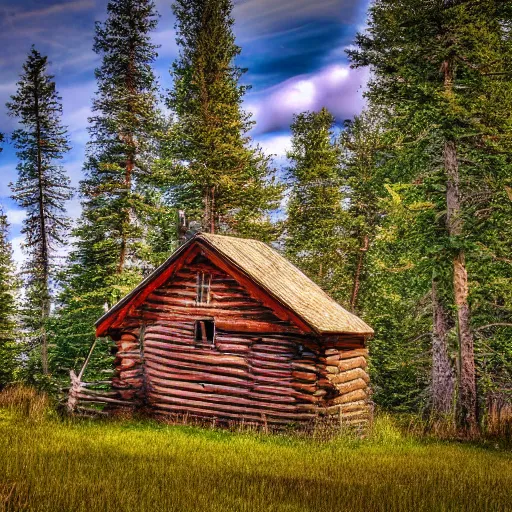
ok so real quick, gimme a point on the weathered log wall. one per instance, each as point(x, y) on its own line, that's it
point(259, 369)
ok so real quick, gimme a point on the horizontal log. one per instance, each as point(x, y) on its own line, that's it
point(349, 364)
point(172, 374)
point(353, 396)
point(304, 367)
point(232, 347)
point(349, 354)
point(356, 373)
point(172, 386)
point(252, 326)
point(360, 405)
point(184, 364)
point(212, 359)
point(223, 337)
point(304, 376)
point(131, 354)
point(182, 324)
point(106, 400)
point(126, 364)
point(127, 383)
point(127, 346)
point(324, 383)
point(261, 378)
point(188, 300)
point(222, 408)
point(127, 374)
point(260, 362)
point(156, 311)
point(307, 388)
point(350, 386)
point(330, 360)
point(96, 383)
point(272, 373)
point(220, 398)
point(97, 392)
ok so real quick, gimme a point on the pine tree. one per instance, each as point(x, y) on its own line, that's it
point(315, 240)
point(122, 130)
point(441, 71)
point(7, 306)
point(363, 142)
point(120, 199)
point(42, 188)
point(219, 177)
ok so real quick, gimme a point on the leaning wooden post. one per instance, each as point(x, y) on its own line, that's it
point(81, 374)
point(76, 381)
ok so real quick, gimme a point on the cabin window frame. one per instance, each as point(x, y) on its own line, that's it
point(205, 332)
point(203, 288)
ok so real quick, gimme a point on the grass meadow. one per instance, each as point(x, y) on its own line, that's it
point(50, 464)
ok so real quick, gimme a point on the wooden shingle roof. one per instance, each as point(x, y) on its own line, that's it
point(267, 268)
point(277, 277)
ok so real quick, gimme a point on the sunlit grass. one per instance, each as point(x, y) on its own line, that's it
point(91, 466)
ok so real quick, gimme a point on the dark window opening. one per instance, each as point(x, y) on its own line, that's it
point(205, 331)
point(204, 281)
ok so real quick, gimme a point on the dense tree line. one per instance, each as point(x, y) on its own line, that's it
point(403, 214)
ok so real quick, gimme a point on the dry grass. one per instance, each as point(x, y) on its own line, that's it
point(25, 402)
point(99, 466)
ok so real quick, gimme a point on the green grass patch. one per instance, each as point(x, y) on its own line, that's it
point(103, 466)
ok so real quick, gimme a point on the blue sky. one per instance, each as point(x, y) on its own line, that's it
point(294, 50)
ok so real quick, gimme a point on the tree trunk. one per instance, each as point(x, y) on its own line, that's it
point(125, 214)
point(443, 379)
point(43, 254)
point(467, 402)
point(357, 275)
point(209, 209)
point(128, 138)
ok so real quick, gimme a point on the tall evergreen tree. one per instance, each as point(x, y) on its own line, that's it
point(42, 188)
point(219, 177)
point(7, 306)
point(441, 70)
point(314, 239)
point(119, 197)
point(122, 131)
point(363, 174)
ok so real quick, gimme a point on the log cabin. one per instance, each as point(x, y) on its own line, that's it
point(228, 329)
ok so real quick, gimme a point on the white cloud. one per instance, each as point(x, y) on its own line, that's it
point(276, 145)
point(17, 251)
point(338, 88)
point(16, 217)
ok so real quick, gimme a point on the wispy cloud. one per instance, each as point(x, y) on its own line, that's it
point(337, 88)
point(263, 16)
point(15, 15)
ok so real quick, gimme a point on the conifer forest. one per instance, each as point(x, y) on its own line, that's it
point(402, 214)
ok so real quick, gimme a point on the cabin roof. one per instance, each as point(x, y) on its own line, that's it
point(276, 276)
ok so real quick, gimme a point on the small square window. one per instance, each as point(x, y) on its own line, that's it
point(203, 283)
point(204, 331)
